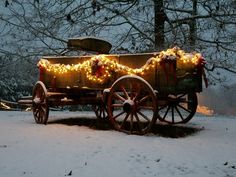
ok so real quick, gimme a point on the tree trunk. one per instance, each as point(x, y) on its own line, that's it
point(192, 25)
point(159, 21)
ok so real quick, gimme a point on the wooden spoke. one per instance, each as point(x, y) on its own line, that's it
point(189, 111)
point(119, 97)
point(125, 92)
point(137, 94)
point(118, 115)
point(145, 117)
point(144, 98)
point(117, 105)
point(131, 123)
point(124, 121)
point(166, 112)
point(138, 122)
point(172, 114)
point(176, 108)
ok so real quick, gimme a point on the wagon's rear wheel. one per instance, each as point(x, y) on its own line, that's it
point(40, 103)
point(178, 108)
point(132, 105)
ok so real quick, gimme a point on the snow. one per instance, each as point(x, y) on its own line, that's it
point(31, 150)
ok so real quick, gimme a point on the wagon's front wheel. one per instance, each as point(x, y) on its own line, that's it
point(132, 105)
point(40, 103)
point(178, 108)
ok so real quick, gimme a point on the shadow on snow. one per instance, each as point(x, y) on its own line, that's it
point(159, 129)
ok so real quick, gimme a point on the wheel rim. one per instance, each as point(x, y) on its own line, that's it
point(178, 108)
point(132, 105)
point(40, 103)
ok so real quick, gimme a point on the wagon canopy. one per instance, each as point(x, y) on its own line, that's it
point(90, 44)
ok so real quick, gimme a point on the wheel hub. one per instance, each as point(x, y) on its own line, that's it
point(128, 106)
point(173, 101)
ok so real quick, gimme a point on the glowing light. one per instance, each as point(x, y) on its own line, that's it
point(99, 68)
point(4, 105)
point(205, 110)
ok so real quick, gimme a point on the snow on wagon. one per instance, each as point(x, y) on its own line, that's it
point(132, 90)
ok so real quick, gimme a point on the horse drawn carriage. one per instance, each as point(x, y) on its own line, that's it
point(131, 90)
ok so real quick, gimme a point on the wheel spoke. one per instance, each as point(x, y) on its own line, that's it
point(36, 112)
point(176, 108)
point(189, 111)
point(117, 105)
point(167, 110)
point(172, 114)
point(138, 121)
point(125, 119)
point(118, 115)
point(40, 115)
point(144, 116)
point(131, 123)
point(119, 97)
point(103, 113)
point(137, 93)
point(43, 109)
point(99, 112)
point(125, 92)
point(144, 98)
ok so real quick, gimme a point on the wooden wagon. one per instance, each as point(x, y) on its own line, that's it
point(131, 90)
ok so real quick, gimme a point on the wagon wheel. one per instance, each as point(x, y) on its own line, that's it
point(132, 105)
point(40, 103)
point(178, 108)
point(100, 111)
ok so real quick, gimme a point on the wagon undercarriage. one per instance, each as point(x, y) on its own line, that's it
point(131, 105)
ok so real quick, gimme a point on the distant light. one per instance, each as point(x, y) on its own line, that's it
point(4, 105)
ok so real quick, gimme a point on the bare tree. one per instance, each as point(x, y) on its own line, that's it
point(30, 29)
point(210, 26)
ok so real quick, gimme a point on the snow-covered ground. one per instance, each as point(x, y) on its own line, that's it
point(56, 150)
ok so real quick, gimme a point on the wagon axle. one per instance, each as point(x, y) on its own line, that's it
point(174, 101)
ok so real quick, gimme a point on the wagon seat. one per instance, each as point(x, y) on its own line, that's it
point(92, 44)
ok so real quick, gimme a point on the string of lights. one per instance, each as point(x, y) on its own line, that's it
point(100, 67)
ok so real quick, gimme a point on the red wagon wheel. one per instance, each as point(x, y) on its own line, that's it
point(178, 108)
point(40, 103)
point(132, 105)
